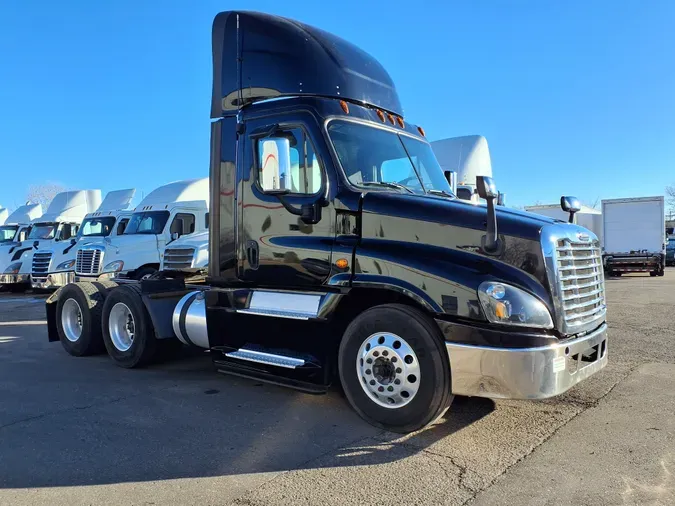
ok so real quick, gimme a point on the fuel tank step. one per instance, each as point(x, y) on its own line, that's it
point(262, 357)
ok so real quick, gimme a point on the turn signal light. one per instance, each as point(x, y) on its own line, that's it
point(342, 263)
point(344, 106)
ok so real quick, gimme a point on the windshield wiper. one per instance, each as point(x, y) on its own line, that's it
point(440, 192)
point(387, 184)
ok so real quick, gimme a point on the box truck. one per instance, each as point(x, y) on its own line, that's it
point(54, 265)
point(165, 214)
point(634, 235)
point(337, 251)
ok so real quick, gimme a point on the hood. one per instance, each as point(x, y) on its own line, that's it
point(457, 212)
point(191, 241)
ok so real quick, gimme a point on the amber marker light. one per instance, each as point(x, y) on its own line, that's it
point(342, 263)
point(344, 106)
point(400, 121)
point(391, 119)
point(421, 131)
point(380, 115)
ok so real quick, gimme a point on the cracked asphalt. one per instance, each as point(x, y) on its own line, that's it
point(83, 431)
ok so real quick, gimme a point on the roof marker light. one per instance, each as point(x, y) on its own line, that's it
point(391, 119)
point(400, 121)
point(421, 131)
point(344, 106)
point(380, 115)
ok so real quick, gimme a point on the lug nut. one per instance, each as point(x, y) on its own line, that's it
point(398, 370)
point(385, 353)
point(367, 371)
point(369, 361)
point(372, 382)
point(390, 388)
point(380, 389)
point(397, 382)
point(394, 359)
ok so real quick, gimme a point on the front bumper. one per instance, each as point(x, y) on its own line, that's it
point(527, 373)
point(94, 277)
point(9, 279)
point(53, 280)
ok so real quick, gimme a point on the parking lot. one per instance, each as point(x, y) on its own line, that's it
point(83, 431)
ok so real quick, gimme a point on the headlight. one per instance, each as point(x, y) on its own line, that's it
point(512, 306)
point(115, 266)
point(201, 258)
point(68, 264)
point(13, 268)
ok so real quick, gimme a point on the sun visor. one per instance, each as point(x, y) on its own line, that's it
point(258, 56)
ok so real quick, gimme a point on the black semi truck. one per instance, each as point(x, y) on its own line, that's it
point(339, 253)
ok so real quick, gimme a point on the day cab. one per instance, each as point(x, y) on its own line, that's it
point(339, 253)
point(165, 214)
point(13, 233)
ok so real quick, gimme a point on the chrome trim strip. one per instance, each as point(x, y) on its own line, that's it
point(280, 302)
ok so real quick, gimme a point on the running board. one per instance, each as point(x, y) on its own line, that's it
point(243, 371)
point(262, 357)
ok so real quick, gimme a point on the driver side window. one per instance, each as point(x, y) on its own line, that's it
point(286, 160)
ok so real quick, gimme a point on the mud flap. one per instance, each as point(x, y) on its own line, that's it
point(50, 304)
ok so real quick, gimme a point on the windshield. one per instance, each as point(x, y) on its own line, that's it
point(8, 232)
point(376, 157)
point(100, 227)
point(151, 222)
point(43, 231)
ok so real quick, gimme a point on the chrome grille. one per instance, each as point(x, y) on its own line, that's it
point(88, 261)
point(580, 283)
point(40, 267)
point(178, 258)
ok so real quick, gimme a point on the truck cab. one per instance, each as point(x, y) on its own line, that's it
point(188, 254)
point(167, 213)
point(54, 266)
point(13, 234)
point(339, 253)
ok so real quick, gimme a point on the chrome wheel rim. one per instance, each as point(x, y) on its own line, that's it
point(388, 370)
point(122, 326)
point(71, 320)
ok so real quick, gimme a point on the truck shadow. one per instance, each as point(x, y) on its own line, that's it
point(68, 421)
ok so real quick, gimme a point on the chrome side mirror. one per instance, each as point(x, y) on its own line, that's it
point(570, 205)
point(451, 177)
point(174, 236)
point(487, 189)
point(501, 199)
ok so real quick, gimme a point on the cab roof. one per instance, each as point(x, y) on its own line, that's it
point(188, 190)
point(259, 56)
point(23, 215)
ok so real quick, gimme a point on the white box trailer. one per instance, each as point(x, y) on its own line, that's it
point(634, 233)
point(586, 217)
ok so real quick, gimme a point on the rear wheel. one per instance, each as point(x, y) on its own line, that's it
point(128, 333)
point(78, 318)
point(394, 368)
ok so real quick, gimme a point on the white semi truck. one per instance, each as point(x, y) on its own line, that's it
point(54, 265)
point(171, 211)
point(634, 232)
point(189, 254)
point(55, 228)
point(586, 217)
point(12, 236)
point(468, 156)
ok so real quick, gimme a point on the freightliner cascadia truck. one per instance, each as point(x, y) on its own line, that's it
point(339, 254)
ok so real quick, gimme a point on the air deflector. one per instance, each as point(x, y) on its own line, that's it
point(258, 56)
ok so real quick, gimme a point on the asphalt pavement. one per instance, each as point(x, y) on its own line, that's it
point(84, 431)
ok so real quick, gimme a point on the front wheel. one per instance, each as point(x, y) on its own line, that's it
point(128, 333)
point(144, 273)
point(394, 368)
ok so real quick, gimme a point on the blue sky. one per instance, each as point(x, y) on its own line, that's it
point(574, 97)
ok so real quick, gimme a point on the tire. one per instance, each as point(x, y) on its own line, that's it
point(653, 273)
point(420, 334)
point(142, 347)
point(88, 299)
point(144, 273)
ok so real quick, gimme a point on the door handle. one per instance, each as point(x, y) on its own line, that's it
point(252, 254)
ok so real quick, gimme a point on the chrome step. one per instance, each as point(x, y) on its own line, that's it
point(262, 357)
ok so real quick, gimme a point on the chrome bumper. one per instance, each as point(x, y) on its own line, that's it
point(94, 277)
point(9, 279)
point(530, 373)
point(54, 280)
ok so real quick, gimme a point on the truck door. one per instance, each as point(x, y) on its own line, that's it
point(286, 229)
